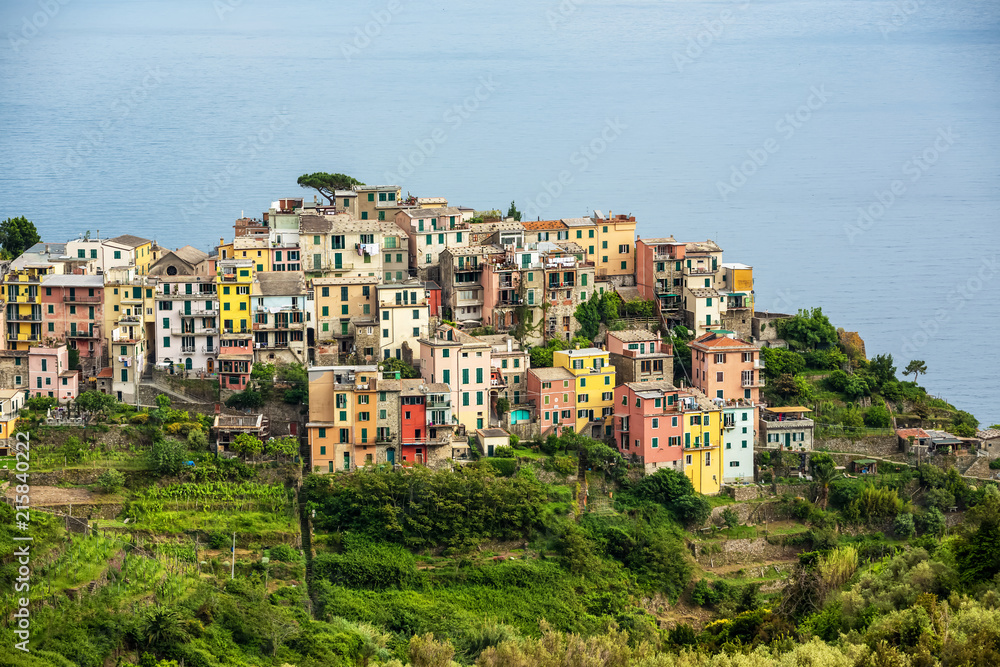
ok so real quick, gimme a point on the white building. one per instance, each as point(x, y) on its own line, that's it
point(738, 436)
point(403, 317)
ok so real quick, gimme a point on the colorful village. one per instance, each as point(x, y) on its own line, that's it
point(459, 296)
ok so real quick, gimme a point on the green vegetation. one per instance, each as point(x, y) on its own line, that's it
point(328, 184)
point(17, 235)
point(393, 365)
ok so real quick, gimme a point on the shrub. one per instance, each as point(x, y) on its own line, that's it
point(504, 452)
point(940, 498)
point(368, 566)
point(931, 522)
point(692, 510)
point(40, 403)
point(284, 553)
point(995, 464)
point(904, 525)
point(730, 518)
point(111, 481)
point(877, 417)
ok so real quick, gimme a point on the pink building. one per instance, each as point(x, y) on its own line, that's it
point(648, 424)
point(553, 392)
point(723, 366)
point(49, 374)
point(462, 362)
point(73, 314)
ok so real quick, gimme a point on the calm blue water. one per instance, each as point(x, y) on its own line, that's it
point(169, 119)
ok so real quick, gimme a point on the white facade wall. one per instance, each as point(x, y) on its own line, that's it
point(738, 444)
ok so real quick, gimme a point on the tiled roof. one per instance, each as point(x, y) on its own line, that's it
point(634, 335)
point(988, 434)
point(280, 283)
point(130, 240)
point(191, 255)
point(656, 241)
point(549, 374)
point(543, 225)
point(714, 340)
point(915, 432)
point(72, 280)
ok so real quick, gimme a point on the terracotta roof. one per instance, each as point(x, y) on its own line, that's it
point(714, 340)
point(915, 432)
point(544, 224)
point(106, 372)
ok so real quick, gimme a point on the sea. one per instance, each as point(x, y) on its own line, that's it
point(846, 149)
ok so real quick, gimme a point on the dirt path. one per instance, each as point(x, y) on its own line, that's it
point(43, 496)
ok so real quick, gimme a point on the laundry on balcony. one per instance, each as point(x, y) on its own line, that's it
point(367, 248)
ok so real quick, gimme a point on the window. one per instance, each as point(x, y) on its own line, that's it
point(465, 398)
point(465, 376)
point(166, 341)
point(322, 432)
point(479, 398)
point(446, 375)
point(118, 254)
point(656, 422)
point(656, 443)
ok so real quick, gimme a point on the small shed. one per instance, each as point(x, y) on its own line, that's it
point(865, 466)
point(491, 438)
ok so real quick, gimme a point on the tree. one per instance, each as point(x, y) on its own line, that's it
point(111, 481)
point(512, 212)
point(784, 385)
point(17, 235)
point(877, 416)
point(97, 402)
point(916, 368)
point(503, 405)
point(809, 329)
point(392, 365)
point(588, 315)
point(823, 470)
point(248, 445)
point(964, 424)
point(287, 446)
point(779, 362)
point(167, 455)
point(881, 369)
point(328, 184)
point(730, 518)
point(248, 399)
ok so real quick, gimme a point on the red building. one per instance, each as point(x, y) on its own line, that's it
point(413, 422)
point(433, 292)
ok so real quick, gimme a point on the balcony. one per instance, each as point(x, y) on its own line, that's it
point(134, 319)
point(129, 299)
point(209, 350)
point(699, 271)
point(72, 298)
point(438, 404)
point(203, 312)
point(23, 298)
point(228, 277)
point(383, 438)
point(84, 333)
point(210, 331)
point(753, 382)
point(30, 317)
point(188, 349)
point(510, 301)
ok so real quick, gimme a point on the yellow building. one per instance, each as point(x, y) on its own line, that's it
point(129, 318)
point(22, 290)
point(616, 246)
point(11, 402)
point(141, 251)
point(254, 248)
point(342, 417)
point(234, 284)
point(737, 287)
point(595, 388)
point(702, 458)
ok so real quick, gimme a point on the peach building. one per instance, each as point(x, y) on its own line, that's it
point(723, 366)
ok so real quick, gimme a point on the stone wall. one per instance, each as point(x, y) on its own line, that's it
point(744, 551)
point(739, 321)
point(762, 325)
point(880, 445)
